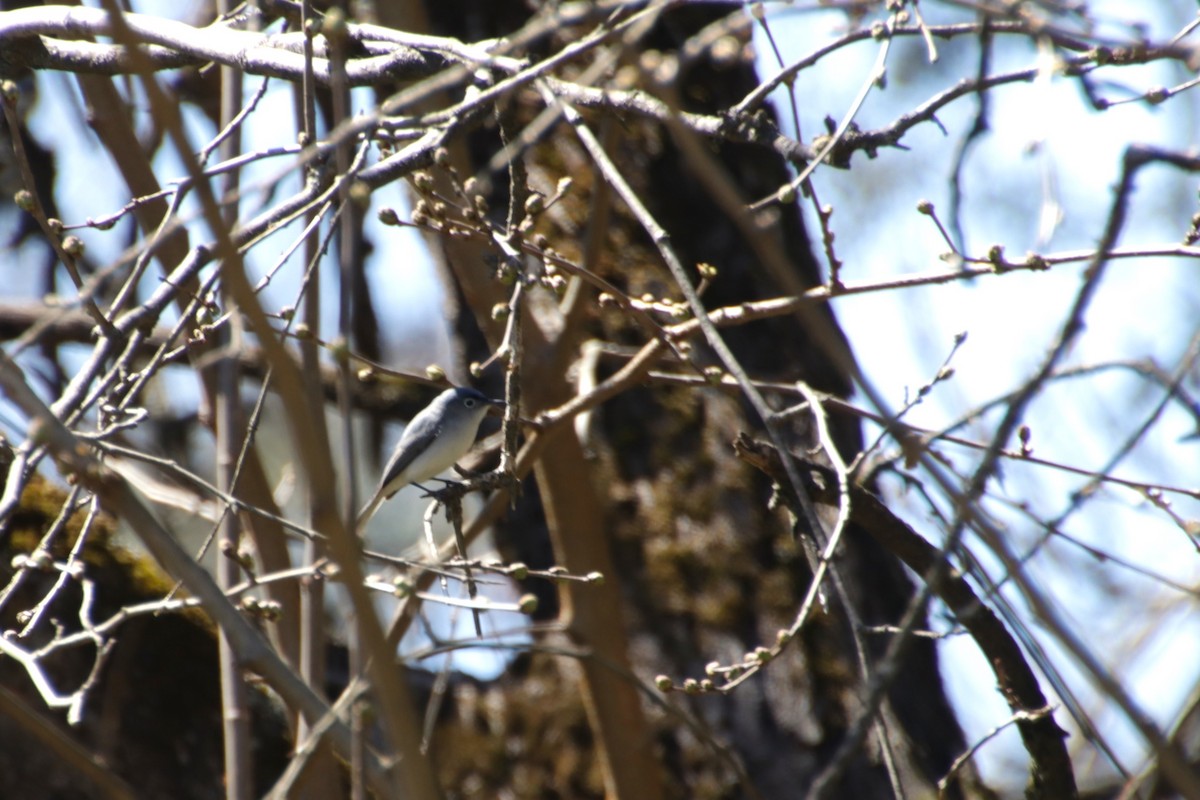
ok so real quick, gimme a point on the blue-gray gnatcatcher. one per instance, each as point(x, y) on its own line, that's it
point(439, 435)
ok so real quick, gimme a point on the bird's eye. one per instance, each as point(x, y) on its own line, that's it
point(469, 402)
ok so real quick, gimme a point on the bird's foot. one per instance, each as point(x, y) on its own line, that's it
point(448, 490)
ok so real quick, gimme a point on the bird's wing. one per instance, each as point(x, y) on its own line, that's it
point(416, 438)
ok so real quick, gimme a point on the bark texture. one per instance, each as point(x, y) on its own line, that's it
point(706, 569)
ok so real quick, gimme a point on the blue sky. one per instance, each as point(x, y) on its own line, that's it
point(1044, 147)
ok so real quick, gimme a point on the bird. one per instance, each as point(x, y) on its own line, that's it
point(439, 435)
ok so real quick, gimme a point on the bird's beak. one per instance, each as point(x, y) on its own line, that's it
point(497, 406)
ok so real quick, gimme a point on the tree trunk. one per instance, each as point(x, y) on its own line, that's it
point(702, 568)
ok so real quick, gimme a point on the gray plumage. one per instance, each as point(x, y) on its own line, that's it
point(439, 435)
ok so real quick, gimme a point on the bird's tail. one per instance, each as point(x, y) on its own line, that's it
point(368, 511)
